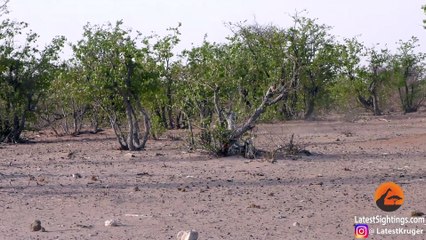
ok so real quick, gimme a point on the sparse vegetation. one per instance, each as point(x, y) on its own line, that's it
point(26, 73)
point(125, 137)
point(140, 87)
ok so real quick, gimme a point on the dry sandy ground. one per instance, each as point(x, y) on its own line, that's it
point(311, 197)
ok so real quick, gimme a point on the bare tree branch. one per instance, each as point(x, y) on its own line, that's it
point(3, 7)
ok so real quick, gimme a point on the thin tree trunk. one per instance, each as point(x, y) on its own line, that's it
point(179, 121)
point(14, 135)
point(376, 108)
point(373, 88)
point(158, 112)
point(95, 120)
point(164, 117)
point(130, 124)
point(192, 139)
point(136, 130)
point(169, 104)
point(310, 108)
point(65, 126)
point(147, 124)
point(118, 133)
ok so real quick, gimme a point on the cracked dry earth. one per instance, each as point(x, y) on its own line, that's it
point(74, 184)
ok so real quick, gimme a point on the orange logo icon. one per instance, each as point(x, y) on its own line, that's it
point(389, 196)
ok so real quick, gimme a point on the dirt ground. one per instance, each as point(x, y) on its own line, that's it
point(156, 193)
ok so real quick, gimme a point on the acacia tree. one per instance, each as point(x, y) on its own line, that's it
point(199, 88)
point(409, 73)
point(231, 85)
point(368, 82)
point(261, 56)
point(274, 70)
point(316, 55)
point(25, 74)
point(67, 105)
point(375, 77)
point(118, 74)
point(168, 64)
point(350, 83)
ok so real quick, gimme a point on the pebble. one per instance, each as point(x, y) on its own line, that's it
point(112, 223)
point(36, 226)
point(296, 224)
point(76, 175)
